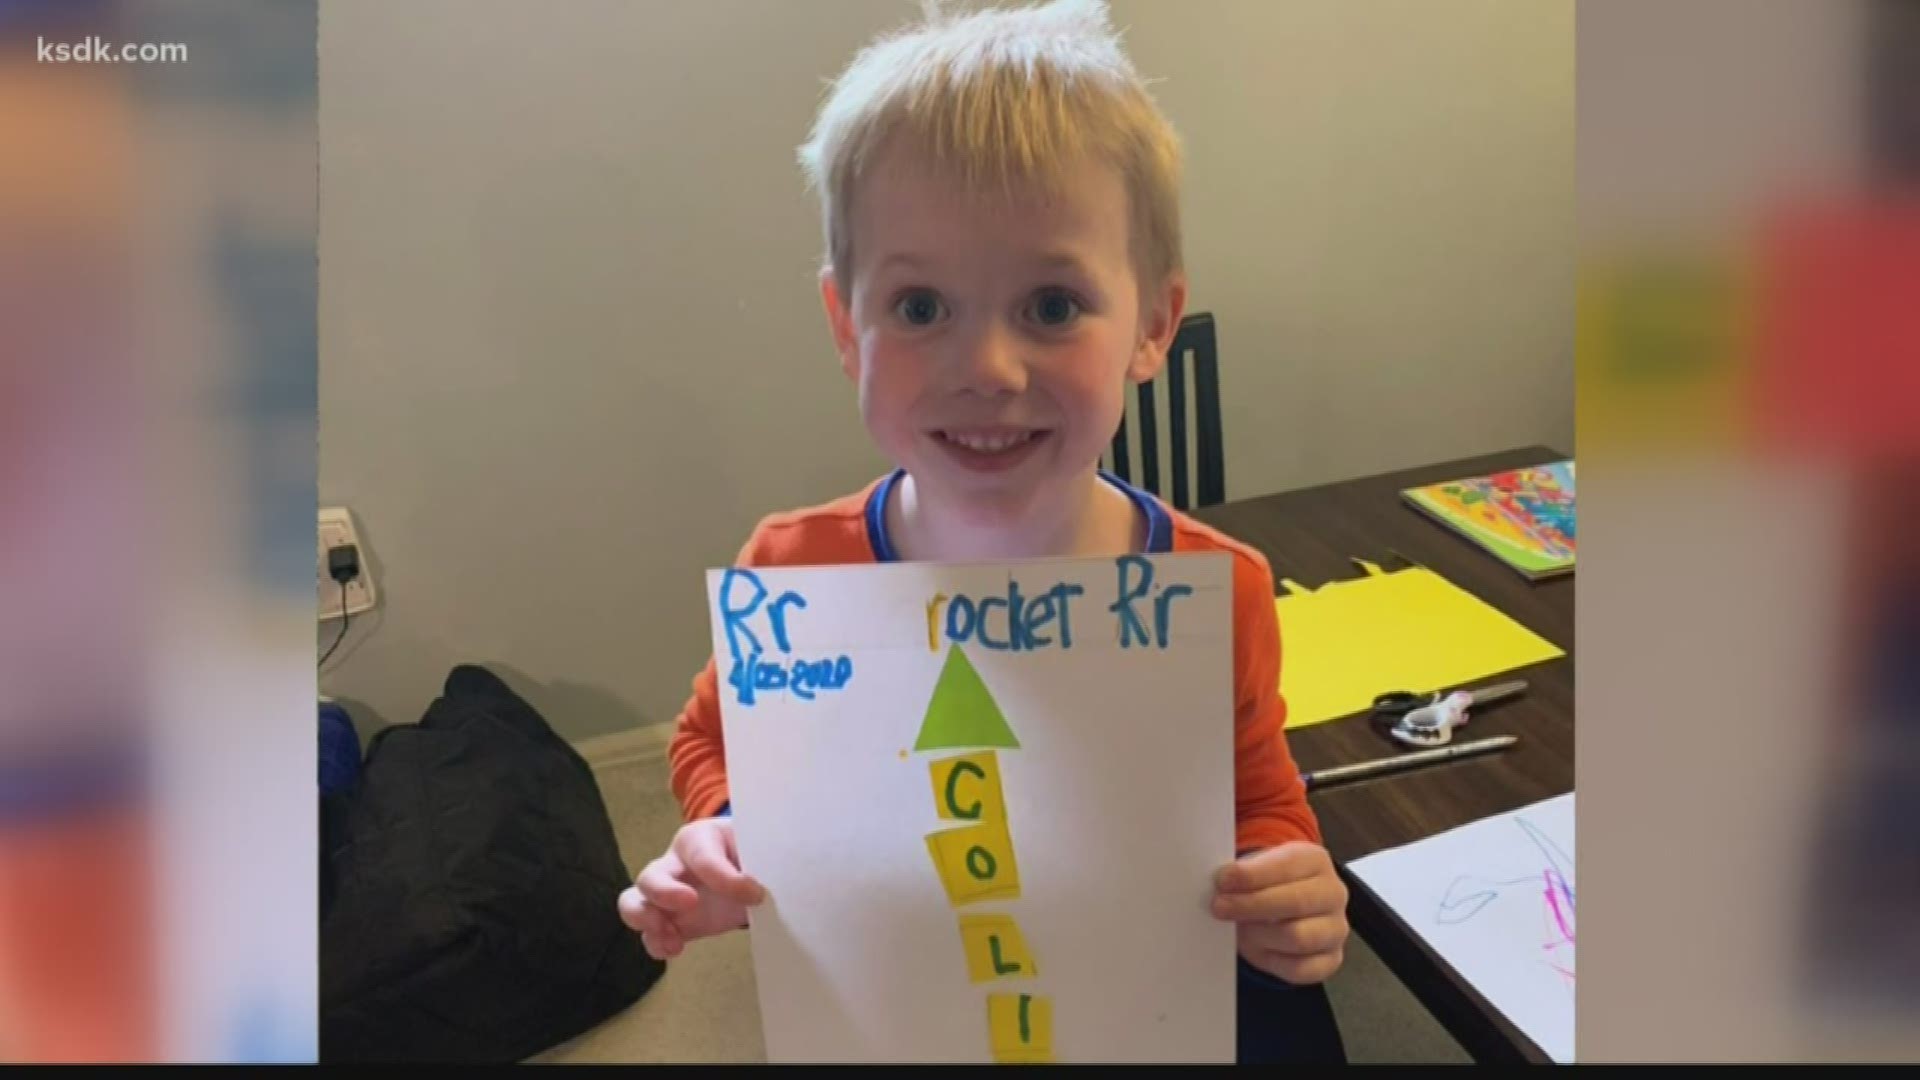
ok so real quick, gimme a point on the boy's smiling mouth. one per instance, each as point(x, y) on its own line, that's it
point(989, 449)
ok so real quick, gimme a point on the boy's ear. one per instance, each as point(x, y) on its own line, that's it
point(840, 321)
point(1159, 320)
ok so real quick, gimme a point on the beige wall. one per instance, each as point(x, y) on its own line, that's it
point(570, 348)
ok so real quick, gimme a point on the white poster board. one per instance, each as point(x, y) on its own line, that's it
point(1495, 899)
point(987, 802)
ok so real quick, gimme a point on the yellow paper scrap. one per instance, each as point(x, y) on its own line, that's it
point(1345, 643)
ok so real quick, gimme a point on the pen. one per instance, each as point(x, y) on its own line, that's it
point(1379, 766)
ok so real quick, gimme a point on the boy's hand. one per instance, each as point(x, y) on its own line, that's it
point(693, 890)
point(1291, 907)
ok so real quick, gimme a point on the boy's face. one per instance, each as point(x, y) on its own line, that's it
point(993, 342)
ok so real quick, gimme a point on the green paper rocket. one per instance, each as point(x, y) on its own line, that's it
point(962, 713)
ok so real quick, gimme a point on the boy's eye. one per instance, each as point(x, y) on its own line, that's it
point(1055, 308)
point(918, 308)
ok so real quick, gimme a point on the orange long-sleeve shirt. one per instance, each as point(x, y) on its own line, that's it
point(1270, 798)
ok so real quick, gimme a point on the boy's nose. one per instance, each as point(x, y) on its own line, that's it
point(992, 363)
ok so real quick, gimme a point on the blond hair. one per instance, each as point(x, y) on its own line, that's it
point(1002, 100)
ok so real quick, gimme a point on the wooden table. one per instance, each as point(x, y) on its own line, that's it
point(1312, 536)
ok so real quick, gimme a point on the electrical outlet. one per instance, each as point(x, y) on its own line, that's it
point(337, 530)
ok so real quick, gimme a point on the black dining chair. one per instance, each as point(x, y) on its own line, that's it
point(1200, 440)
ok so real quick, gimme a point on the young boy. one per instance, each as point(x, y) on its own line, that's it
point(1000, 200)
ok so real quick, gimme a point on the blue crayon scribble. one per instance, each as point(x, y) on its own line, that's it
point(1468, 895)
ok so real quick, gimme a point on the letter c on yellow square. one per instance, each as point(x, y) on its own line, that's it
point(967, 788)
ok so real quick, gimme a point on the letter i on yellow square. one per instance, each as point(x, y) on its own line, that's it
point(995, 948)
point(976, 863)
point(1021, 1027)
point(967, 788)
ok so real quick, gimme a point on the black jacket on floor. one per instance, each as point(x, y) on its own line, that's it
point(469, 883)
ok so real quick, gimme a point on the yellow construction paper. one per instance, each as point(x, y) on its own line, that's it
point(1021, 1027)
point(995, 948)
point(976, 863)
point(967, 788)
point(1349, 641)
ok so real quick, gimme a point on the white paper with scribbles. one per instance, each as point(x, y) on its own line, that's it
point(1495, 899)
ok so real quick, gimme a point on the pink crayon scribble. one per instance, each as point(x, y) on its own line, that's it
point(1469, 894)
point(1560, 905)
point(1557, 888)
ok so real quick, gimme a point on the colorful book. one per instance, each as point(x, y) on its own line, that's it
point(1524, 517)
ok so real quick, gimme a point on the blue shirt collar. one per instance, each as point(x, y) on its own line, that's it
point(1159, 522)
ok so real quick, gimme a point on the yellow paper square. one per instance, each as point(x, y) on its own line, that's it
point(995, 948)
point(1020, 1027)
point(1414, 630)
point(976, 863)
point(967, 788)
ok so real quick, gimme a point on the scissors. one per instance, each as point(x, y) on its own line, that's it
point(1421, 720)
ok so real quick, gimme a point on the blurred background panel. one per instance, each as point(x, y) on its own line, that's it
point(1749, 397)
point(157, 287)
